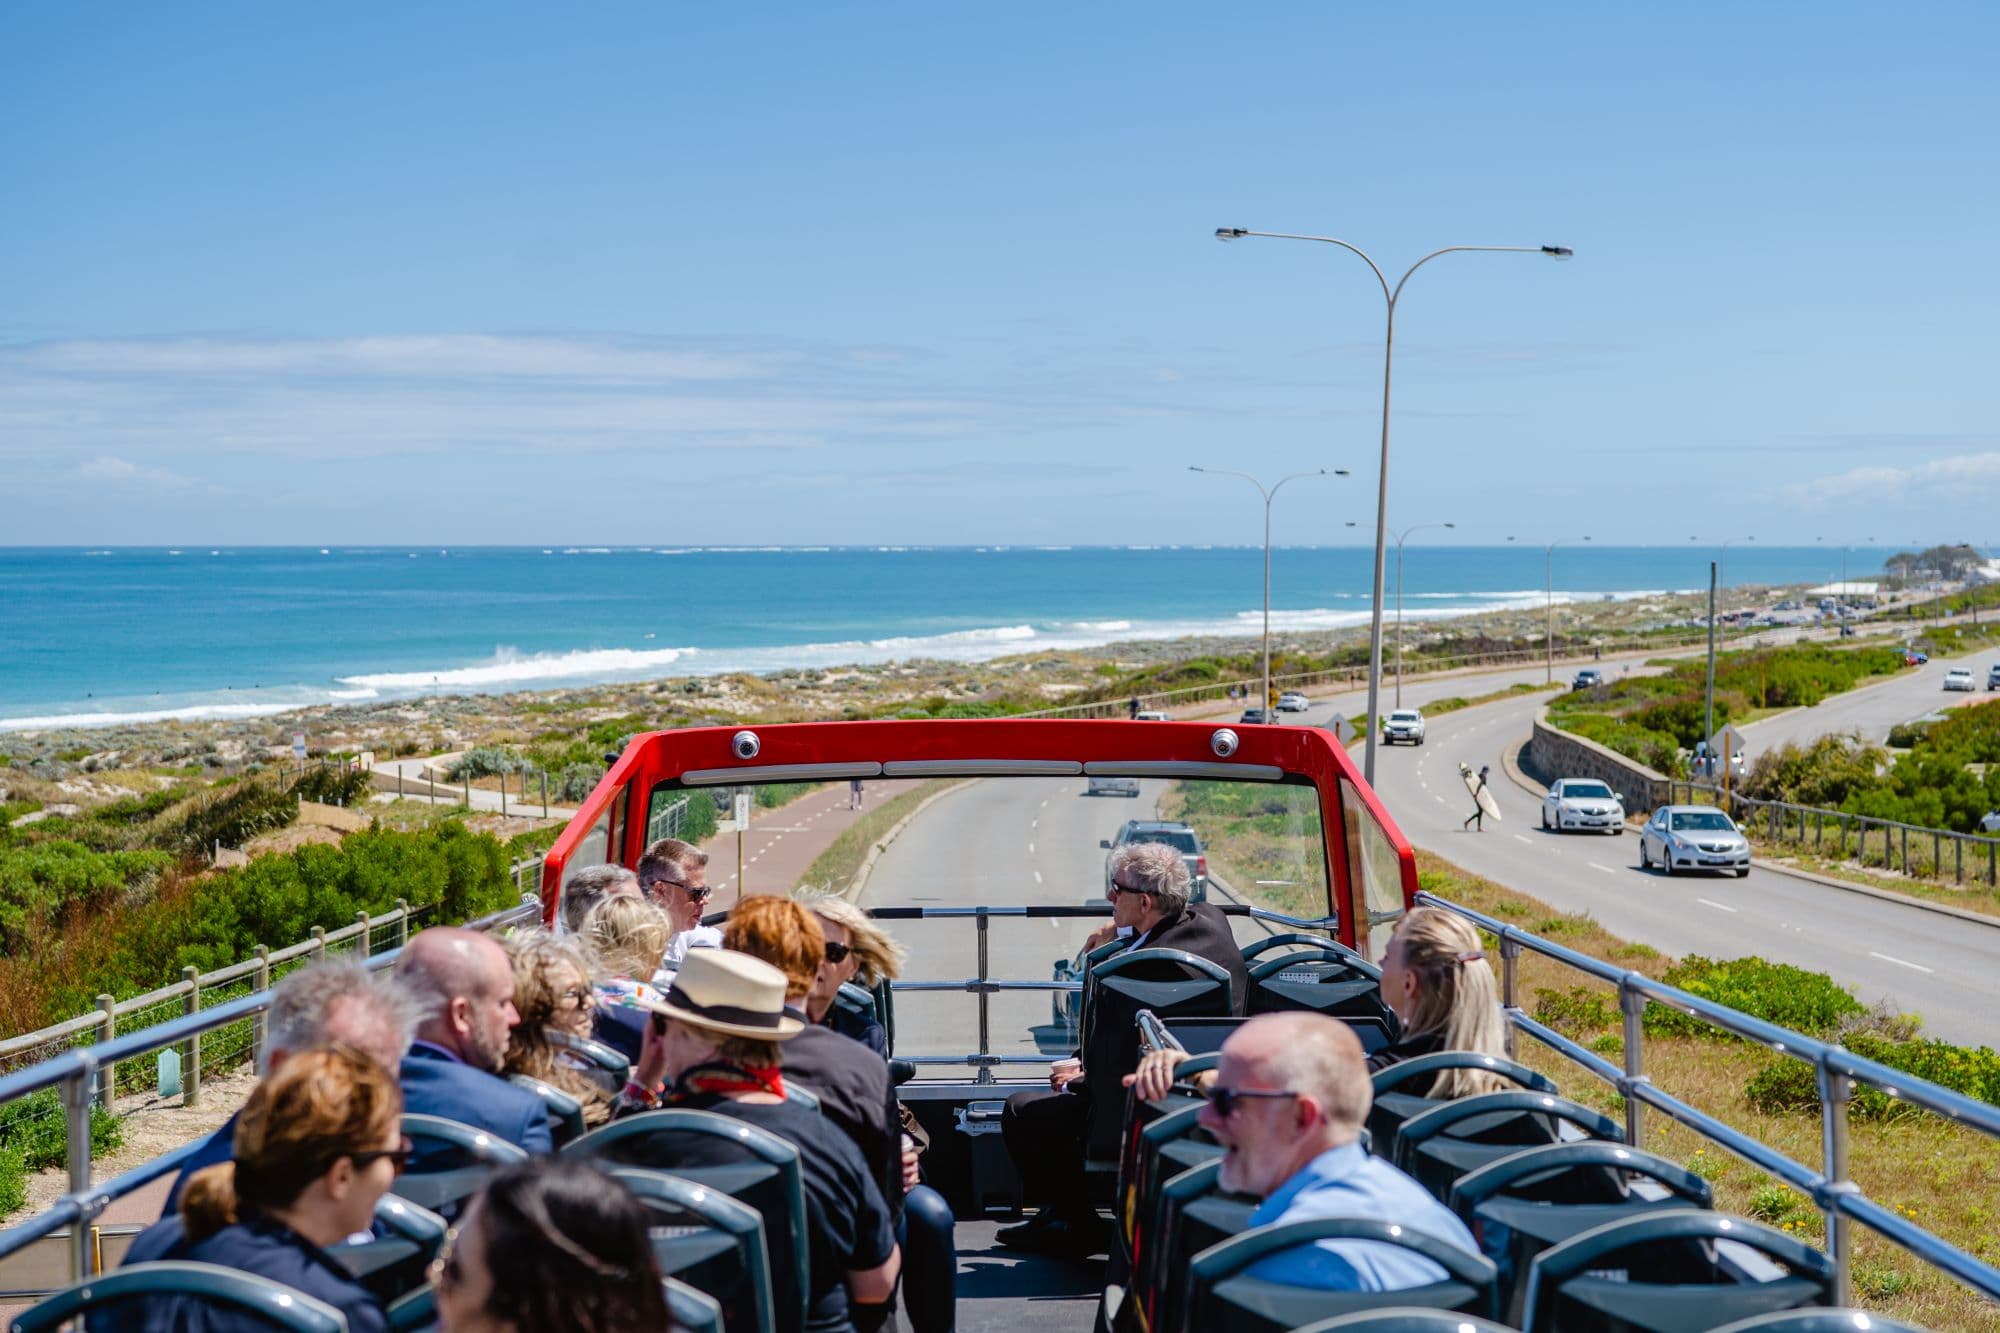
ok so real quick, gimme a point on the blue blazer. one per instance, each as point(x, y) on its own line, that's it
point(258, 1245)
point(436, 1082)
point(216, 1148)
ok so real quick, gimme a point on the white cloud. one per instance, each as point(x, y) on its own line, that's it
point(1958, 478)
point(107, 471)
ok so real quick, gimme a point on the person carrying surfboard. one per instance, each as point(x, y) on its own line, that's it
point(1483, 803)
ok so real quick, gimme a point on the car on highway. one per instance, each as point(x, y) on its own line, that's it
point(1151, 715)
point(1175, 835)
point(1915, 657)
point(1959, 678)
point(1587, 679)
point(1404, 724)
point(1693, 837)
point(1990, 822)
point(1583, 803)
point(1291, 701)
point(1702, 764)
point(1111, 787)
point(1254, 715)
point(1993, 677)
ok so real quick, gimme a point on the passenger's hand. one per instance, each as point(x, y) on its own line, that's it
point(912, 1172)
point(1063, 1075)
point(1155, 1074)
point(1104, 934)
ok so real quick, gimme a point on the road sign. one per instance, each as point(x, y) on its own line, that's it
point(1726, 741)
point(742, 809)
point(298, 745)
point(1342, 729)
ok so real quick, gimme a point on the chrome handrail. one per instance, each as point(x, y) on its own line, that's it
point(1837, 1197)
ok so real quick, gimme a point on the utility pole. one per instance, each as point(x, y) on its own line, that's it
point(1708, 723)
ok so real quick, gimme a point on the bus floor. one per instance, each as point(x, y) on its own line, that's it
point(1002, 1290)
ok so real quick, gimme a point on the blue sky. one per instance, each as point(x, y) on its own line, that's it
point(926, 273)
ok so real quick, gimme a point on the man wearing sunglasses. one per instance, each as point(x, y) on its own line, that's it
point(674, 875)
point(1291, 1094)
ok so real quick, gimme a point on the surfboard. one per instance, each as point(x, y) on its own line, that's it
point(1478, 792)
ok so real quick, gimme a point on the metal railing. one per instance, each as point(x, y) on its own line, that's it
point(984, 985)
point(77, 1074)
point(1839, 1199)
point(1901, 847)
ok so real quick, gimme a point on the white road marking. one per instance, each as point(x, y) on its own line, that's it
point(1031, 849)
point(1606, 869)
point(1036, 823)
point(1914, 967)
point(1038, 877)
point(1522, 837)
point(1045, 803)
point(1720, 907)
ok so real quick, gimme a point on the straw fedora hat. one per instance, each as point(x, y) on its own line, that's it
point(720, 990)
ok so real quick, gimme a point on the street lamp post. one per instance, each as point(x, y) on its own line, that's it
point(1549, 566)
point(1399, 599)
point(1389, 295)
point(1269, 494)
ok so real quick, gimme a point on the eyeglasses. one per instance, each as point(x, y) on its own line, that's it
point(576, 995)
point(1117, 888)
point(699, 895)
point(837, 953)
point(398, 1156)
point(1227, 1100)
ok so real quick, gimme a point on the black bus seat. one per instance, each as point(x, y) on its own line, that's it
point(1455, 1138)
point(1219, 1294)
point(1666, 1273)
point(593, 1055)
point(877, 1003)
point(396, 1258)
point(1405, 1319)
point(1532, 1200)
point(565, 1111)
point(1819, 1321)
point(1149, 1127)
point(692, 1311)
point(804, 1096)
point(709, 1241)
point(1171, 983)
point(766, 1176)
point(1308, 944)
point(1284, 985)
point(458, 1165)
point(282, 1307)
point(1392, 1106)
point(1192, 1213)
point(414, 1313)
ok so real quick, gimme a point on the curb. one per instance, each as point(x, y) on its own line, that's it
point(1510, 761)
point(867, 867)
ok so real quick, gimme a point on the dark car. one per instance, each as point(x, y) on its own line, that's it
point(1175, 835)
point(1254, 715)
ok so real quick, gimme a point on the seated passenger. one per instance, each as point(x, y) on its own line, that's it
point(1045, 1131)
point(552, 991)
point(1435, 976)
point(674, 875)
point(857, 950)
point(323, 1004)
point(551, 1246)
point(1290, 1097)
point(589, 887)
point(717, 1047)
point(626, 937)
point(315, 1146)
point(466, 987)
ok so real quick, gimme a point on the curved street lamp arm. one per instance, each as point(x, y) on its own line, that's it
point(1316, 472)
point(1326, 240)
point(1227, 472)
point(1452, 250)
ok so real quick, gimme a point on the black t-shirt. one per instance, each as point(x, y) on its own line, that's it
point(856, 1096)
point(847, 1225)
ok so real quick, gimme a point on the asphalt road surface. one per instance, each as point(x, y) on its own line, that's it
point(1872, 710)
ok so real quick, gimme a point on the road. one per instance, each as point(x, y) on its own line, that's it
point(1872, 710)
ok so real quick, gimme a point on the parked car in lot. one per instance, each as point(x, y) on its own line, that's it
point(1693, 837)
point(1583, 803)
point(1405, 724)
point(1587, 679)
point(1959, 678)
point(1111, 787)
point(1254, 715)
point(1175, 835)
point(1291, 701)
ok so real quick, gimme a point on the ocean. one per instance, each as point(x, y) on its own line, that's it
point(104, 636)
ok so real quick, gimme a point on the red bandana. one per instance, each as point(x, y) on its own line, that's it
point(725, 1079)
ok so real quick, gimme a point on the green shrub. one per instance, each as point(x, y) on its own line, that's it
point(333, 786)
point(1791, 997)
point(487, 761)
point(35, 1128)
point(1575, 1011)
point(1789, 1085)
point(13, 1181)
point(41, 882)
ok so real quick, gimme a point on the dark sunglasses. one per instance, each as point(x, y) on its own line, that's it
point(837, 953)
point(1117, 888)
point(398, 1157)
point(699, 895)
point(1227, 1100)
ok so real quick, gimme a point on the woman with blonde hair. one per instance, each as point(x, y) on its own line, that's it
point(856, 950)
point(553, 993)
point(1435, 976)
point(316, 1146)
point(628, 937)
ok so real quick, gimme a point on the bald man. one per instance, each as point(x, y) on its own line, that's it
point(1291, 1094)
point(466, 987)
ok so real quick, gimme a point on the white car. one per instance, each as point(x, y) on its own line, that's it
point(1112, 787)
point(1959, 678)
point(1693, 837)
point(1583, 803)
point(1151, 715)
point(1291, 701)
point(1405, 724)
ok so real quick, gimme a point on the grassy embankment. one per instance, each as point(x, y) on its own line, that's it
point(1938, 1175)
point(834, 869)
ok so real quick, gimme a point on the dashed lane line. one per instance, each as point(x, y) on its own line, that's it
point(1038, 877)
point(1720, 907)
point(1522, 837)
point(1606, 869)
point(1031, 849)
point(1914, 967)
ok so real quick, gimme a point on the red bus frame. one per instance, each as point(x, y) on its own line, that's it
point(1301, 753)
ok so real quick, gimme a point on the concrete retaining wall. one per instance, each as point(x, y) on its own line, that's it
point(1552, 753)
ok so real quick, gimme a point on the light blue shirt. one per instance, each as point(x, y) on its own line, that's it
point(1347, 1182)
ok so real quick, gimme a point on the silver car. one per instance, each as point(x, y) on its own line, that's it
point(1583, 803)
point(1693, 837)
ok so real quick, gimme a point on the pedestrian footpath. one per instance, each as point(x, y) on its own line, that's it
point(782, 843)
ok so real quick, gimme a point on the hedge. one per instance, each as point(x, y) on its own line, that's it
point(1791, 997)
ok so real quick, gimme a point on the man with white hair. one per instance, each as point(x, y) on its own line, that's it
point(325, 1004)
point(587, 888)
point(1291, 1094)
point(1044, 1131)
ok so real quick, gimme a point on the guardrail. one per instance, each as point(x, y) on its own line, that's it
point(1838, 1198)
point(76, 1073)
point(1818, 827)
